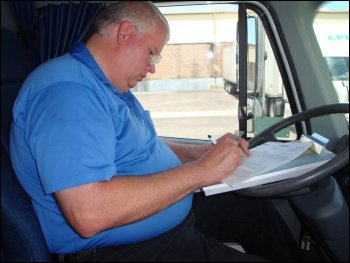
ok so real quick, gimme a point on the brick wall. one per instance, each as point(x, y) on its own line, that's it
point(182, 61)
point(190, 61)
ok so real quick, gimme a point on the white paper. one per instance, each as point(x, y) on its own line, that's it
point(266, 157)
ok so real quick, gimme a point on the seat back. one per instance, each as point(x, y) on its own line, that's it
point(21, 235)
point(16, 64)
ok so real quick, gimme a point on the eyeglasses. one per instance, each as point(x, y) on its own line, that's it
point(155, 57)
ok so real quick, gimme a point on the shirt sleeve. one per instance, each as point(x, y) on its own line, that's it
point(71, 135)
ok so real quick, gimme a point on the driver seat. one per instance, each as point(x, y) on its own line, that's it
point(21, 235)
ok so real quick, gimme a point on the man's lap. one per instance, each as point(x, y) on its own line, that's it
point(183, 243)
point(253, 223)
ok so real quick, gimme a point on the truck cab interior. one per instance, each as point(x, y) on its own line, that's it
point(281, 88)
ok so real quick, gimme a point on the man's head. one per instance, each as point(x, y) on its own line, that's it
point(139, 13)
point(127, 38)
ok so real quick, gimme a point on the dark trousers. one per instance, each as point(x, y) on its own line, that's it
point(255, 224)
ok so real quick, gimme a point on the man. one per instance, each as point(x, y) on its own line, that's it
point(103, 185)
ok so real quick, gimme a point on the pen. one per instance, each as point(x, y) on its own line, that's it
point(212, 139)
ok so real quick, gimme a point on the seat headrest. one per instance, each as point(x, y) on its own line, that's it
point(16, 61)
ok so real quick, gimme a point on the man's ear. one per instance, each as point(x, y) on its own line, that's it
point(125, 32)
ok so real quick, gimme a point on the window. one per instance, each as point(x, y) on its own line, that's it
point(195, 90)
point(331, 26)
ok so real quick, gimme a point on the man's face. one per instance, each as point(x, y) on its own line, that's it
point(146, 53)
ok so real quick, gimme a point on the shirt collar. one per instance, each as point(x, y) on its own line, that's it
point(82, 54)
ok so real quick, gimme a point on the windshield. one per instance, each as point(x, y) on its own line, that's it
point(331, 25)
point(338, 68)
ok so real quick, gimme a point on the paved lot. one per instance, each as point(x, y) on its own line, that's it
point(191, 114)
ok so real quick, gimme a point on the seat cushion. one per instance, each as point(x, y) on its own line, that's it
point(21, 236)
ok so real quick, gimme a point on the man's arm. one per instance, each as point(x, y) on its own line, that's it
point(188, 152)
point(96, 207)
point(191, 152)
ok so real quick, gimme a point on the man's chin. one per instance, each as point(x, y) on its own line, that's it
point(133, 84)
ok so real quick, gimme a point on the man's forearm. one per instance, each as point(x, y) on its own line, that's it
point(187, 152)
point(125, 199)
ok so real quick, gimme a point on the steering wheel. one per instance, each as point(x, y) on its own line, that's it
point(308, 178)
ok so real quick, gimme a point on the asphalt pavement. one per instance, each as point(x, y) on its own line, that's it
point(191, 114)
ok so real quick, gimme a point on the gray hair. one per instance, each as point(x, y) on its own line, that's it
point(139, 13)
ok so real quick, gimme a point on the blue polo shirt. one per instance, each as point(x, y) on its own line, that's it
point(71, 127)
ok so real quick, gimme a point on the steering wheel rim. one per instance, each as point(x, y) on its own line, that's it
point(308, 178)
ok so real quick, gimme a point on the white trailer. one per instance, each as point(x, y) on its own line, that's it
point(229, 68)
point(269, 94)
point(334, 43)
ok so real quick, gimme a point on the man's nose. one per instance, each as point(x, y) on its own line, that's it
point(151, 69)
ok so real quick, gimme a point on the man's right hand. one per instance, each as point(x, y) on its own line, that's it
point(223, 158)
